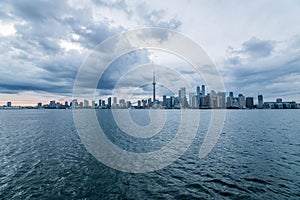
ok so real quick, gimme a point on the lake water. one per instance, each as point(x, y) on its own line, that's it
point(257, 157)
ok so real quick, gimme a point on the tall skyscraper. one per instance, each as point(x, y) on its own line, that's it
point(164, 100)
point(260, 101)
point(198, 96)
point(85, 103)
point(203, 90)
point(109, 102)
point(153, 83)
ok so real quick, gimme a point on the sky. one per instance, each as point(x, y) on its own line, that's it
point(255, 46)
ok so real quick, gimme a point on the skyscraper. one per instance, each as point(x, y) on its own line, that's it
point(85, 103)
point(109, 102)
point(203, 90)
point(260, 101)
point(153, 83)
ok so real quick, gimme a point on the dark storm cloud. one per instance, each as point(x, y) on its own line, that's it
point(38, 55)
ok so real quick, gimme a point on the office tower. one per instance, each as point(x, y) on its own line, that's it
point(260, 101)
point(85, 103)
point(194, 102)
point(122, 103)
point(128, 104)
point(144, 103)
point(100, 103)
point(183, 93)
point(179, 94)
point(52, 104)
point(231, 94)
point(183, 99)
point(191, 96)
point(242, 102)
point(198, 90)
point(74, 103)
point(103, 103)
point(66, 104)
point(109, 102)
point(39, 105)
point(249, 102)
point(164, 100)
point(279, 100)
point(8, 104)
point(221, 99)
point(149, 102)
point(172, 100)
point(93, 104)
point(115, 101)
point(203, 90)
point(80, 105)
point(154, 87)
point(139, 103)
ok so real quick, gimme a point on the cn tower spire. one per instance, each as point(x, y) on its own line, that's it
point(153, 83)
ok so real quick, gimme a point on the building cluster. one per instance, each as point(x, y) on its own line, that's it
point(199, 99)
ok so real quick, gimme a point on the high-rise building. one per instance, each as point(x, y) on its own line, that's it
point(100, 103)
point(260, 104)
point(8, 104)
point(199, 94)
point(242, 102)
point(221, 99)
point(164, 100)
point(52, 104)
point(74, 103)
point(85, 103)
point(249, 102)
point(122, 103)
point(109, 102)
point(203, 90)
point(93, 104)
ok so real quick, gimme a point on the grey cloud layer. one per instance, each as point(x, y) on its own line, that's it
point(37, 58)
point(265, 66)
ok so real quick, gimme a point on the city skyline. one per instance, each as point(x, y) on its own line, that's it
point(44, 43)
point(199, 99)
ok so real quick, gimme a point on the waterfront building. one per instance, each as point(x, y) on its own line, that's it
point(249, 102)
point(52, 104)
point(39, 105)
point(203, 90)
point(164, 100)
point(221, 99)
point(8, 104)
point(241, 101)
point(85, 103)
point(109, 102)
point(260, 104)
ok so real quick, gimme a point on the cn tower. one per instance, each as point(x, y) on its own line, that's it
point(153, 87)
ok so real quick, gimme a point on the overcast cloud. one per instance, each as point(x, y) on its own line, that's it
point(255, 45)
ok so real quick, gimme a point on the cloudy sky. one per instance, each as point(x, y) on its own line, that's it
point(255, 45)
